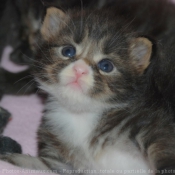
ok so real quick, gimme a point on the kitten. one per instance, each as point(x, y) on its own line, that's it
point(107, 112)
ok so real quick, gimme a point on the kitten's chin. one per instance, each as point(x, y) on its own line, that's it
point(73, 95)
point(74, 86)
point(73, 98)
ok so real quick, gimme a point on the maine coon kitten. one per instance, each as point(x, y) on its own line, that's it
point(106, 111)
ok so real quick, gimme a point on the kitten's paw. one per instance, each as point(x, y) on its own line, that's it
point(8, 157)
point(24, 161)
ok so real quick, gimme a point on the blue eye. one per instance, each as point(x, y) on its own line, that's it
point(106, 65)
point(68, 51)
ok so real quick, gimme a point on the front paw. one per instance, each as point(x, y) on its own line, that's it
point(8, 157)
point(24, 161)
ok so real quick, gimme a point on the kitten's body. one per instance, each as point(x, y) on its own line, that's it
point(106, 155)
point(119, 121)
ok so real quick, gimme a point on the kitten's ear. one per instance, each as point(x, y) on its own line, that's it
point(141, 50)
point(52, 22)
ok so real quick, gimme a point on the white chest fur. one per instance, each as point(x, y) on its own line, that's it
point(120, 158)
point(73, 128)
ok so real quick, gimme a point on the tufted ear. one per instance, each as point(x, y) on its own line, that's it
point(52, 22)
point(140, 51)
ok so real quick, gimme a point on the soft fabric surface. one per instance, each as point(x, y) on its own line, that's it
point(26, 115)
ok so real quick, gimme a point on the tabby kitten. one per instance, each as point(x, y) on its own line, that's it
point(105, 114)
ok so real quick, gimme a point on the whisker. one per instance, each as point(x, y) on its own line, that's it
point(42, 52)
point(41, 65)
point(33, 65)
point(67, 26)
point(37, 91)
point(28, 76)
point(127, 25)
point(29, 86)
point(89, 16)
point(117, 36)
point(30, 64)
point(25, 85)
point(32, 59)
point(45, 75)
point(71, 20)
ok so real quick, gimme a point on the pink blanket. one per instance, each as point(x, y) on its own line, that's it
point(26, 114)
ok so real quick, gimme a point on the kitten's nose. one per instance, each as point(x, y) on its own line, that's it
point(80, 69)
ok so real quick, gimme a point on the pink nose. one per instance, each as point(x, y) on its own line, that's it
point(80, 69)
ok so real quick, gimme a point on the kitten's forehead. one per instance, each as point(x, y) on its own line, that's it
point(96, 34)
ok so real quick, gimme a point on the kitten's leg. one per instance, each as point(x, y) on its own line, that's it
point(54, 152)
point(59, 167)
point(37, 163)
point(162, 155)
point(24, 161)
point(51, 153)
point(159, 147)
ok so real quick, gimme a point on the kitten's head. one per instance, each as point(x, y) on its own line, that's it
point(90, 57)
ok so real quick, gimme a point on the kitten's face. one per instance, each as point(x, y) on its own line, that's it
point(89, 57)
